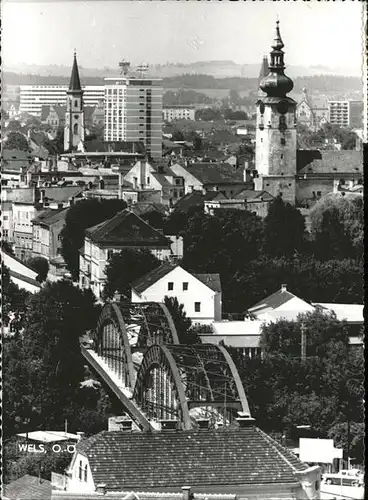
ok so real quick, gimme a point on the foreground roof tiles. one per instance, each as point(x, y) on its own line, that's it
point(28, 488)
point(229, 456)
point(329, 162)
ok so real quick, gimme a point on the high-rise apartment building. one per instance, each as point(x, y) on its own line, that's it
point(346, 113)
point(33, 97)
point(133, 111)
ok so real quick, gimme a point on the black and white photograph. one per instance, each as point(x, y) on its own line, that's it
point(182, 198)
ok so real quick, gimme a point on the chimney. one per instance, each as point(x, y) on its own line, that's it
point(169, 425)
point(186, 492)
point(203, 423)
point(284, 287)
point(80, 435)
point(245, 421)
point(101, 488)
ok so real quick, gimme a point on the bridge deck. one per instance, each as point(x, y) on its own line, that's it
point(122, 392)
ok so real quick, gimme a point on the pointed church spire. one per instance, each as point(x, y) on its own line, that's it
point(75, 84)
point(263, 73)
point(278, 43)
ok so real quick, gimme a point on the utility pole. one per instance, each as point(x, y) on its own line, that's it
point(303, 342)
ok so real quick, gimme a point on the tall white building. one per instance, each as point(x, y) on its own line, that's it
point(33, 97)
point(346, 113)
point(133, 111)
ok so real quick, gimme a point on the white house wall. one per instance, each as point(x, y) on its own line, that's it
point(197, 292)
point(75, 485)
point(190, 182)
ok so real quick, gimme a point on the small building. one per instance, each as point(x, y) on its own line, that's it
point(53, 116)
point(244, 336)
point(254, 201)
point(124, 230)
point(323, 172)
point(178, 112)
point(200, 294)
point(240, 460)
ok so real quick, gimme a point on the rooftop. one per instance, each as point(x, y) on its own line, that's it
point(50, 216)
point(329, 162)
point(28, 488)
point(212, 281)
point(211, 458)
point(214, 173)
point(126, 229)
point(274, 300)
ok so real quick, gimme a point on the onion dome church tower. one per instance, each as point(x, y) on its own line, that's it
point(74, 116)
point(276, 129)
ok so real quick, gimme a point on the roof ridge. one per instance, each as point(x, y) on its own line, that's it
point(275, 445)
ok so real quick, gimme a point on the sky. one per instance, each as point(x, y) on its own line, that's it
point(155, 32)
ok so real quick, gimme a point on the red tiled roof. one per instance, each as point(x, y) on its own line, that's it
point(28, 488)
point(126, 229)
point(222, 457)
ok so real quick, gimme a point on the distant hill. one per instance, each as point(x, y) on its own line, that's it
point(218, 69)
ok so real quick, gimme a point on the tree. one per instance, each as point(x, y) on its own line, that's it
point(284, 229)
point(344, 217)
point(43, 367)
point(183, 324)
point(16, 140)
point(14, 302)
point(124, 268)
point(321, 330)
point(56, 145)
point(84, 214)
point(177, 135)
point(40, 265)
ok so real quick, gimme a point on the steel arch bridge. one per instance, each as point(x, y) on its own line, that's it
point(136, 351)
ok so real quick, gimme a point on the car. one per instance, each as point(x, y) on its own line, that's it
point(345, 477)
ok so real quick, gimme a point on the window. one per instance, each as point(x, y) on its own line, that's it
point(75, 104)
point(197, 307)
point(148, 180)
point(85, 472)
point(185, 285)
point(283, 142)
point(80, 470)
point(170, 285)
point(75, 128)
point(319, 193)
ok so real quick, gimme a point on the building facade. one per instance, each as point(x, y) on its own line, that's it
point(178, 112)
point(74, 130)
point(125, 230)
point(200, 294)
point(33, 97)
point(276, 130)
point(346, 113)
point(133, 112)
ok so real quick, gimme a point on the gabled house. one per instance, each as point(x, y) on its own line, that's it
point(240, 460)
point(53, 116)
point(158, 181)
point(205, 177)
point(285, 305)
point(124, 230)
point(200, 294)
